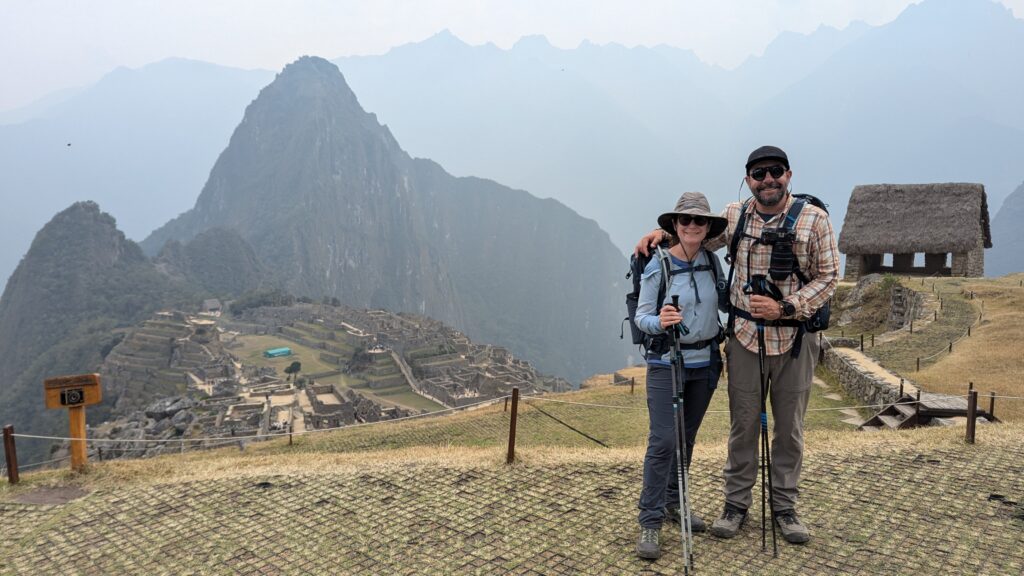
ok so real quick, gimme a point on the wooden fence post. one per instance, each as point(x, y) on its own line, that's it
point(972, 414)
point(992, 404)
point(632, 383)
point(862, 342)
point(10, 454)
point(512, 427)
point(918, 365)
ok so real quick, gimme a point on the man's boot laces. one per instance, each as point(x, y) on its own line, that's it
point(649, 536)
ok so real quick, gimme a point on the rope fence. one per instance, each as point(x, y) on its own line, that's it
point(615, 419)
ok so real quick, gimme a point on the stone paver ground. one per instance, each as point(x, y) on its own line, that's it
point(952, 510)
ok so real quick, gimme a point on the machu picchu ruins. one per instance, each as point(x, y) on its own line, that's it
point(185, 379)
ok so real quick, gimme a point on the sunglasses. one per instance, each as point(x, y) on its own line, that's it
point(776, 171)
point(685, 219)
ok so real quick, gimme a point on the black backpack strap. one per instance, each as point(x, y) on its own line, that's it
point(730, 258)
point(788, 224)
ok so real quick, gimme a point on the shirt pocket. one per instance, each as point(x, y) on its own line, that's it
point(802, 250)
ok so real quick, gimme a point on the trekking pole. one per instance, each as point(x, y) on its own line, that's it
point(682, 460)
point(676, 365)
point(766, 458)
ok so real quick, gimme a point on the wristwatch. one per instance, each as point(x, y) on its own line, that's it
point(787, 308)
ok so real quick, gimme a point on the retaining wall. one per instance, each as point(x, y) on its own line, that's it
point(865, 387)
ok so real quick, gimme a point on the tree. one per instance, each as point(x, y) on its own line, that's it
point(293, 369)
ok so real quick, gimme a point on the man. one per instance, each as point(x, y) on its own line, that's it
point(767, 176)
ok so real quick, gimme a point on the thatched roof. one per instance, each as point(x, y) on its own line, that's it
point(910, 218)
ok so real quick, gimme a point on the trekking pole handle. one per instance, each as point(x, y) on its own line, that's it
point(679, 327)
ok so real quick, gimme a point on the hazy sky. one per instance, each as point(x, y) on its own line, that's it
point(48, 45)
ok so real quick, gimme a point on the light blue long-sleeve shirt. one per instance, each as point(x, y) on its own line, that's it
point(701, 319)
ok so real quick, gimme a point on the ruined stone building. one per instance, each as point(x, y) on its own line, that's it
point(916, 229)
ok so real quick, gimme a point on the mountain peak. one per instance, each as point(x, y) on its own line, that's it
point(942, 12)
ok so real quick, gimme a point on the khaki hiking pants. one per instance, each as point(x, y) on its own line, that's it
point(790, 389)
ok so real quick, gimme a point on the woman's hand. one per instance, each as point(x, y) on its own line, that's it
point(669, 316)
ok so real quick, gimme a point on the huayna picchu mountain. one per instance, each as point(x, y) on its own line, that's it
point(334, 207)
point(79, 282)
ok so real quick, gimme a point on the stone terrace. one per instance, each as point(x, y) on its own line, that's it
point(878, 509)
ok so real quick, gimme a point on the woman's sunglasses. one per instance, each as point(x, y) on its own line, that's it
point(776, 171)
point(685, 219)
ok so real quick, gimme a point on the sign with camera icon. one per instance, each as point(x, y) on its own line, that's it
point(72, 391)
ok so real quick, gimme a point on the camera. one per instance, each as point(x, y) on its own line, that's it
point(72, 396)
point(759, 285)
point(771, 236)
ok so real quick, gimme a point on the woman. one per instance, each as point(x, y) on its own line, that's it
point(693, 280)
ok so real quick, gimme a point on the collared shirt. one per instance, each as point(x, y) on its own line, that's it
point(816, 252)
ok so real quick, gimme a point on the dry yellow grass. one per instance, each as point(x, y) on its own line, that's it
point(993, 357)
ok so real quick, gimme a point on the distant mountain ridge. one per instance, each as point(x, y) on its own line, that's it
point(905, 102)
point(140, 143)
point(331, 203)
point(614, 133)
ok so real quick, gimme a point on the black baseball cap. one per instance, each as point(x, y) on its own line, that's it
point(767, 153)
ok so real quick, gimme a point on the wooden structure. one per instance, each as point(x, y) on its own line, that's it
point(909, 412)
point(904, 220)
point(74, 393)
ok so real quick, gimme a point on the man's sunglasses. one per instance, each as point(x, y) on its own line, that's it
point(685, 219)
point(776, 171)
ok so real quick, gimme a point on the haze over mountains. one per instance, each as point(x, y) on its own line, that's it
point(617, 133)
point(614, 133)
point(313, 195)
point(332, 205)
point(140, 143)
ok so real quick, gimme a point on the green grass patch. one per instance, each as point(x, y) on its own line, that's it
point(868, 316)
point(609, 414)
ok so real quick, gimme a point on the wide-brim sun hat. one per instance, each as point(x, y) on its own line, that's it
point(694, 204)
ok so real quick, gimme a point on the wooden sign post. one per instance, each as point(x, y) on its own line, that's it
point(74, 393)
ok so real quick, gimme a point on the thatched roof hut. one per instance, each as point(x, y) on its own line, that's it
point(905, 219)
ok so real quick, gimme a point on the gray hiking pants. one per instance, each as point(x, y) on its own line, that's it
point(790, 389)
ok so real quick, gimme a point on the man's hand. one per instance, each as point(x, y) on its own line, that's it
point(652, 239)
point(765, 308)
point(669, 316)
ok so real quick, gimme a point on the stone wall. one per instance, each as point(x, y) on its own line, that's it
point(866, 388)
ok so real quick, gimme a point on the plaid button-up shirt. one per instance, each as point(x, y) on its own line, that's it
point(816, 252)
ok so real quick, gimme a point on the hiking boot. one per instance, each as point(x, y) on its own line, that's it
point(729, 524)
point(648, 545)
point(696, 522)
point(793, 530)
